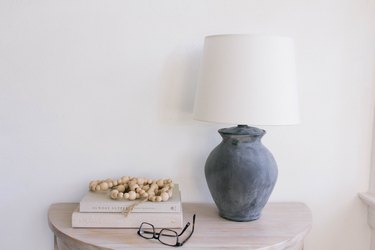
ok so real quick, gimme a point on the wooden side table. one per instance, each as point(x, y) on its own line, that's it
point(281, 226)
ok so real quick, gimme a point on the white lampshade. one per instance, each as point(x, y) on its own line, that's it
point(248, 79)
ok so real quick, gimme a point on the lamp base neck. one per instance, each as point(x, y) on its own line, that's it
point(242, 130)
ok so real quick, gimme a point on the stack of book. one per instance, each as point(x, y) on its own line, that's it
point(98, 210)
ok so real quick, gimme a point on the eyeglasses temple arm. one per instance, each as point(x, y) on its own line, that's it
point(183, 230)
point(192, 230)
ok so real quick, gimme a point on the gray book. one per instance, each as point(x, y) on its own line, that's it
point(120, 220)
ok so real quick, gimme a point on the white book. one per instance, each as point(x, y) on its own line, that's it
point(132, 220)
point(101, 202)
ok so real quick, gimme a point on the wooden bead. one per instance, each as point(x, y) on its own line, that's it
point(160, 183)
point(104, 186)
point(132, 182)
point(121, 188)
point(133, 187)
point(125, 179)
point(150, 193)
point(164, 196)
point(140, 181)
point(114, 194)
point(132, 195)
point(92, 185)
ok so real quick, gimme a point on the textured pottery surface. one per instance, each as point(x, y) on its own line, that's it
point(241, 173)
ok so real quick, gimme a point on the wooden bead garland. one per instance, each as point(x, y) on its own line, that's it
point(132, 188)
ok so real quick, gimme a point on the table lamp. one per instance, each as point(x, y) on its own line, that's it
point(245, 80)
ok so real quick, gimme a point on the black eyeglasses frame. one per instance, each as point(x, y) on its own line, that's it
point(156, 235)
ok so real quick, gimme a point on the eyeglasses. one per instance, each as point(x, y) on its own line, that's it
point(166, 236)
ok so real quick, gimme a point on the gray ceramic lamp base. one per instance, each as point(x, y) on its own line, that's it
point(241, 173)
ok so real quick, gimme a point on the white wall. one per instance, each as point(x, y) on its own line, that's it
point(97, 89)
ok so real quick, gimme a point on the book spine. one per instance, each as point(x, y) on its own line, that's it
point(119, 220)
point(160, 207)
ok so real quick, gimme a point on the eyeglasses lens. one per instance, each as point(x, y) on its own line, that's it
point(146, 231)
point(168, 237)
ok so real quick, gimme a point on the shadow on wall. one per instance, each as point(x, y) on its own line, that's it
point(178, 83)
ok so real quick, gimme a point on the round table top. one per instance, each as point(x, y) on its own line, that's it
point(283, 225)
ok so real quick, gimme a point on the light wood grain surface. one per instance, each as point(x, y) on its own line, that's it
point(281, 226)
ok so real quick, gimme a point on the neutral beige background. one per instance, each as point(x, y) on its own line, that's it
point(96, 89)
